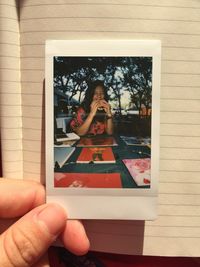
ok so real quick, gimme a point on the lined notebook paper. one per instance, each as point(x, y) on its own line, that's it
point(10, 90)
point(177, 24)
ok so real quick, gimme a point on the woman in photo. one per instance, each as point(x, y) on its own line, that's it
point(94, 115)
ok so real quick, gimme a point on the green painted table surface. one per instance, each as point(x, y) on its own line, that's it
point(122, 151)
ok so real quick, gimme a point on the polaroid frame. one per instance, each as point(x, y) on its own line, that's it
point(98, 203)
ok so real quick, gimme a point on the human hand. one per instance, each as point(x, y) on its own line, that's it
point(94, 106)
point(106, 106)
point(28, 226)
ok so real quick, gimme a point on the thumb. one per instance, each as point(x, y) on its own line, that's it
point(29, 238)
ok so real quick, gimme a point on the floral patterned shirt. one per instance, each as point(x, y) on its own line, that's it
point(96, 127)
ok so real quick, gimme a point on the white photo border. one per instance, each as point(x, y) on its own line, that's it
point(98, 203)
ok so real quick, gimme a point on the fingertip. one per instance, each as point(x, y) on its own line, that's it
point(54, 217)
point(40, 194)
point(74, 238)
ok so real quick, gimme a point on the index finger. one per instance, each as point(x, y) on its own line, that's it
point(104, 102)
point(17, 197)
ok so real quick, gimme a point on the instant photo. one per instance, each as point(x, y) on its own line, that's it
point(102, 127)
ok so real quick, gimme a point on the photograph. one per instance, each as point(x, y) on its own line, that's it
point(102, 108)
point(102, 121)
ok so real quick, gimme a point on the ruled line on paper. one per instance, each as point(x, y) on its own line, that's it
point(10, 105)
point(178, 216)
point(173, 135)
point(6, 4)
point(179, 148)
point(11, 139)
point(178, 182)
point(180, 111)
point(111, 4)
point(9, 18)
point(16, 32)
point(178, 193)
point(13, 160)
point(35, 69)
point(179, 73)
point(179, 205)
point(13, 128)
point(177, 171)
point(11, 81)
point(12, 44)
point(108, 18)
point(31, 172)
point(36, 152)
point(180, 159)
point(18, 81)
point(32, 57)
point(9, 69)
point(13, 149)
point(108, 31)
point(9, 56)
point(178, 177)
point(181, 60)
point(181, 123)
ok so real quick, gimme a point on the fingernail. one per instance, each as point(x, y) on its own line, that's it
point(54, 218)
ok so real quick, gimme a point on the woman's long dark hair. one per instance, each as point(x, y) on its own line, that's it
point(90, 93)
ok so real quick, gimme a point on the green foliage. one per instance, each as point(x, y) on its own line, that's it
point(120, 74)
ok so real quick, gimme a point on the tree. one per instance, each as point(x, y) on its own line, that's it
point(134, 74)
point(138, 80)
